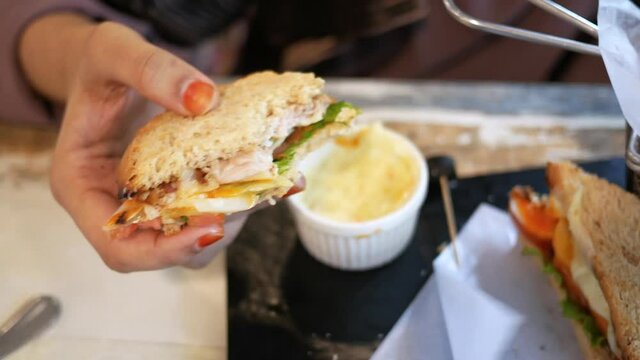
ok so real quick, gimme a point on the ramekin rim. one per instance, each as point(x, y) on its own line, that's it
point(409, 207)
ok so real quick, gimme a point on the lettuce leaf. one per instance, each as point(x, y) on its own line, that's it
point(330, 115)
point(547, 266)
point(570, 309)
point(585, 319)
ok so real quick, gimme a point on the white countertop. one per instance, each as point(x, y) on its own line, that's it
point(171, 314)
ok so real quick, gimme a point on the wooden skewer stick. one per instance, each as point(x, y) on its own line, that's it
point(448, 210)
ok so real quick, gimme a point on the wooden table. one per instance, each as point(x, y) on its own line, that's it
point(486, 127)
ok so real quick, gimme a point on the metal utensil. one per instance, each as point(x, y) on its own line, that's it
point(534, 36)
point(29, 320)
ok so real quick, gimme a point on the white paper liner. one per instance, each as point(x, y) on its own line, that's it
point(619, 41)
point(497, 305)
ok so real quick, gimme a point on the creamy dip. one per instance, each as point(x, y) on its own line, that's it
point(365, 176)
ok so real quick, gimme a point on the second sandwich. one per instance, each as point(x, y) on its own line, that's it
point(587, 234)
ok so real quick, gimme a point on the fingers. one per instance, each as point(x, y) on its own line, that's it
point(122, 55)
point(232, 227)
point(115, 60)
point(151, 250)
point(145, 249)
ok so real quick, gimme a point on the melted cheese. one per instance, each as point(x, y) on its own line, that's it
point(364, 177)
point(590, 287)
point(582, 273)
point(229, 198)
point(198, 198)
point(220, 205)
point(249, 187)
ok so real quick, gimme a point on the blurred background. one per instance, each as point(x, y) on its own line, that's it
point(382, 38)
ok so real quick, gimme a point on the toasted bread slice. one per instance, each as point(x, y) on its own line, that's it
point(250, 117)
point(605, 223)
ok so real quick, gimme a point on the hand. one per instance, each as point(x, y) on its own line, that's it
point(113, 64)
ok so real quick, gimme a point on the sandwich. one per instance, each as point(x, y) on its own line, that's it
point(587, 234)
point(182, 170)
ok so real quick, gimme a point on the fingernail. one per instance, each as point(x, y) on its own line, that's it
point(208, 239)
point(198, 97)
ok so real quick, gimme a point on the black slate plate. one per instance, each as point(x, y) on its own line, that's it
point(283, 304)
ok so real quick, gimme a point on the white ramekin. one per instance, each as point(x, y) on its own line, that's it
point(358, 245)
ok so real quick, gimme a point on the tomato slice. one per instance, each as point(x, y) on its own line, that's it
point(536, 218)
point(563, 253)
point(298, 186)
point(562, 245)
point(601, 322)
point(293, 138)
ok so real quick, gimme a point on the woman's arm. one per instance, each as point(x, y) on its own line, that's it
point(50, 49)
point(20, 101)
point(96, 69)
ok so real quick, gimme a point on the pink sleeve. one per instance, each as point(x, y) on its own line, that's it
point(19, 103)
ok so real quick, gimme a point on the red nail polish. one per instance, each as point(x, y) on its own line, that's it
point(208, 239)
point(197, 97)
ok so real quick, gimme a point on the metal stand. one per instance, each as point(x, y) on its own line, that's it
point(534, 36)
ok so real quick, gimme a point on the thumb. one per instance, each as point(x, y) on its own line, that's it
point(127, 58)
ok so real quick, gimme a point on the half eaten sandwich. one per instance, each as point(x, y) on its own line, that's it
point(240, 154)
point(587, 233)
